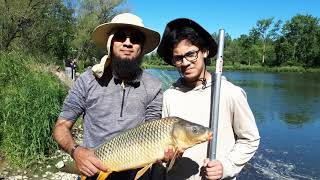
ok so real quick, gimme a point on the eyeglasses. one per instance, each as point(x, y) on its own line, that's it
point(135, 37)
point(190, 56)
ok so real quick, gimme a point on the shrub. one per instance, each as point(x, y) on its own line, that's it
point(30, 102)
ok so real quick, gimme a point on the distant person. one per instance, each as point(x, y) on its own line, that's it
point(73, 65)
point(68, 67)
point(113, 96)
point(188, 47)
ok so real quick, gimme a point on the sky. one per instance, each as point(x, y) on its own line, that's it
point(236, 17)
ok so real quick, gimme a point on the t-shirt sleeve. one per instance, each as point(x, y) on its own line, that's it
point(155, 95)
point(74, 103)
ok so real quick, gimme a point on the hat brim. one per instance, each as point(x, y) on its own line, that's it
point(102, 32)
point(163, 50)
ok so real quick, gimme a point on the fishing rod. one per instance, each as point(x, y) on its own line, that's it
point(215, 97)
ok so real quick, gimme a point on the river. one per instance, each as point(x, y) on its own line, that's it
point(286, 107)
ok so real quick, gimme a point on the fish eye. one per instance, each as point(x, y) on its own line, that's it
point(194, 130)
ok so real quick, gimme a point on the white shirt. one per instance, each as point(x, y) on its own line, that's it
point(238, 136)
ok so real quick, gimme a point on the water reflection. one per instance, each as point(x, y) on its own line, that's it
point(297, 119)
point(286, 108)
point(289, 94)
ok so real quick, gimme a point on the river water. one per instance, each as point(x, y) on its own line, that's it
point(286, 107)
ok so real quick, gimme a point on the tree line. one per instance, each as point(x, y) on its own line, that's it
point(272, 43)
point(62, 28)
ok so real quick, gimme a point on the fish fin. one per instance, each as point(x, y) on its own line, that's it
point(175, 155)
point(70, 167)
point(103, 175)
point(142, 171)
point(83, 177)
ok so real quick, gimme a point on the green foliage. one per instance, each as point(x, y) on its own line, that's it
point(263, 35)
point(153, 59)
point(296, 43)
point(36, 26)
point(299, 44)
point(30, 102)
point(62, 28)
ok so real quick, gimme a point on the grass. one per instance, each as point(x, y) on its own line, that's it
point(30, 99)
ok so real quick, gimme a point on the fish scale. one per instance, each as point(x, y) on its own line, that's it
point(120, 152)
point(145, 144)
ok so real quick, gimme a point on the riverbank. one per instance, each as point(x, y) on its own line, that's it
point(51, 168)
point(247, 68)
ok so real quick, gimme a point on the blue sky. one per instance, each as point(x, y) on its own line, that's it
point(235, 16)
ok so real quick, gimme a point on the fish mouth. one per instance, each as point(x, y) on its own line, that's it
point(210, 135)
point(206, 137)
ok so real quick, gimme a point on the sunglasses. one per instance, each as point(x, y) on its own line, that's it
point(135, 37)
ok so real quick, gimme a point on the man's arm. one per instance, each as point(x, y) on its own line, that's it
point(85, 159)
point(62, 134)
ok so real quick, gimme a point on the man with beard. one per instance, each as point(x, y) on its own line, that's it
point(112, 97)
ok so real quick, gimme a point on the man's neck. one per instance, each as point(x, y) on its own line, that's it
point(202, 80)
point(128, 78)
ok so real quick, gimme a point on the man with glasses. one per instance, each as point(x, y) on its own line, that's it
point(188, 47)
point(114, 95)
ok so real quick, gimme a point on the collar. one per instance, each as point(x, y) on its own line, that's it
point(182, 86)
point(135, 82)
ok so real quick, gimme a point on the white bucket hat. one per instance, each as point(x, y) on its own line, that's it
point(103, 34)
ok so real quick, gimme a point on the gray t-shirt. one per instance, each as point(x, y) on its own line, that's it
point(108, 108)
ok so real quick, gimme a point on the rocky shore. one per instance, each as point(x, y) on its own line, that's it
point(51, 168)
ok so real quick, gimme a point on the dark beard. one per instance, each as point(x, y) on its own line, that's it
point(126, 69)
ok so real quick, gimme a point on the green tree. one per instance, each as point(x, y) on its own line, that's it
point(300, 42)
point(153, 59)
point(36, 25)
point(232, 53)
point(265, 32)
point(227, 48)
point(247, 51)
point(54, 32)
point(16, 17)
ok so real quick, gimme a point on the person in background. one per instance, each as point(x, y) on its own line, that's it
point(113, 96)
point(73, 68)
point(188, 47)
point(68, 67)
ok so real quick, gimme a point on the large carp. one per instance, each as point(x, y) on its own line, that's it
point(143, 145)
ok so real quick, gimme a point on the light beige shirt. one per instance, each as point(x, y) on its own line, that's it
point(238, 136)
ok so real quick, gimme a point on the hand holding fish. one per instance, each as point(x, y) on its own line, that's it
point(169, 154)
point(213, 169)
point(87, 162)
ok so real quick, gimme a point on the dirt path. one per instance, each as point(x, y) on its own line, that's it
point(57, 71)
